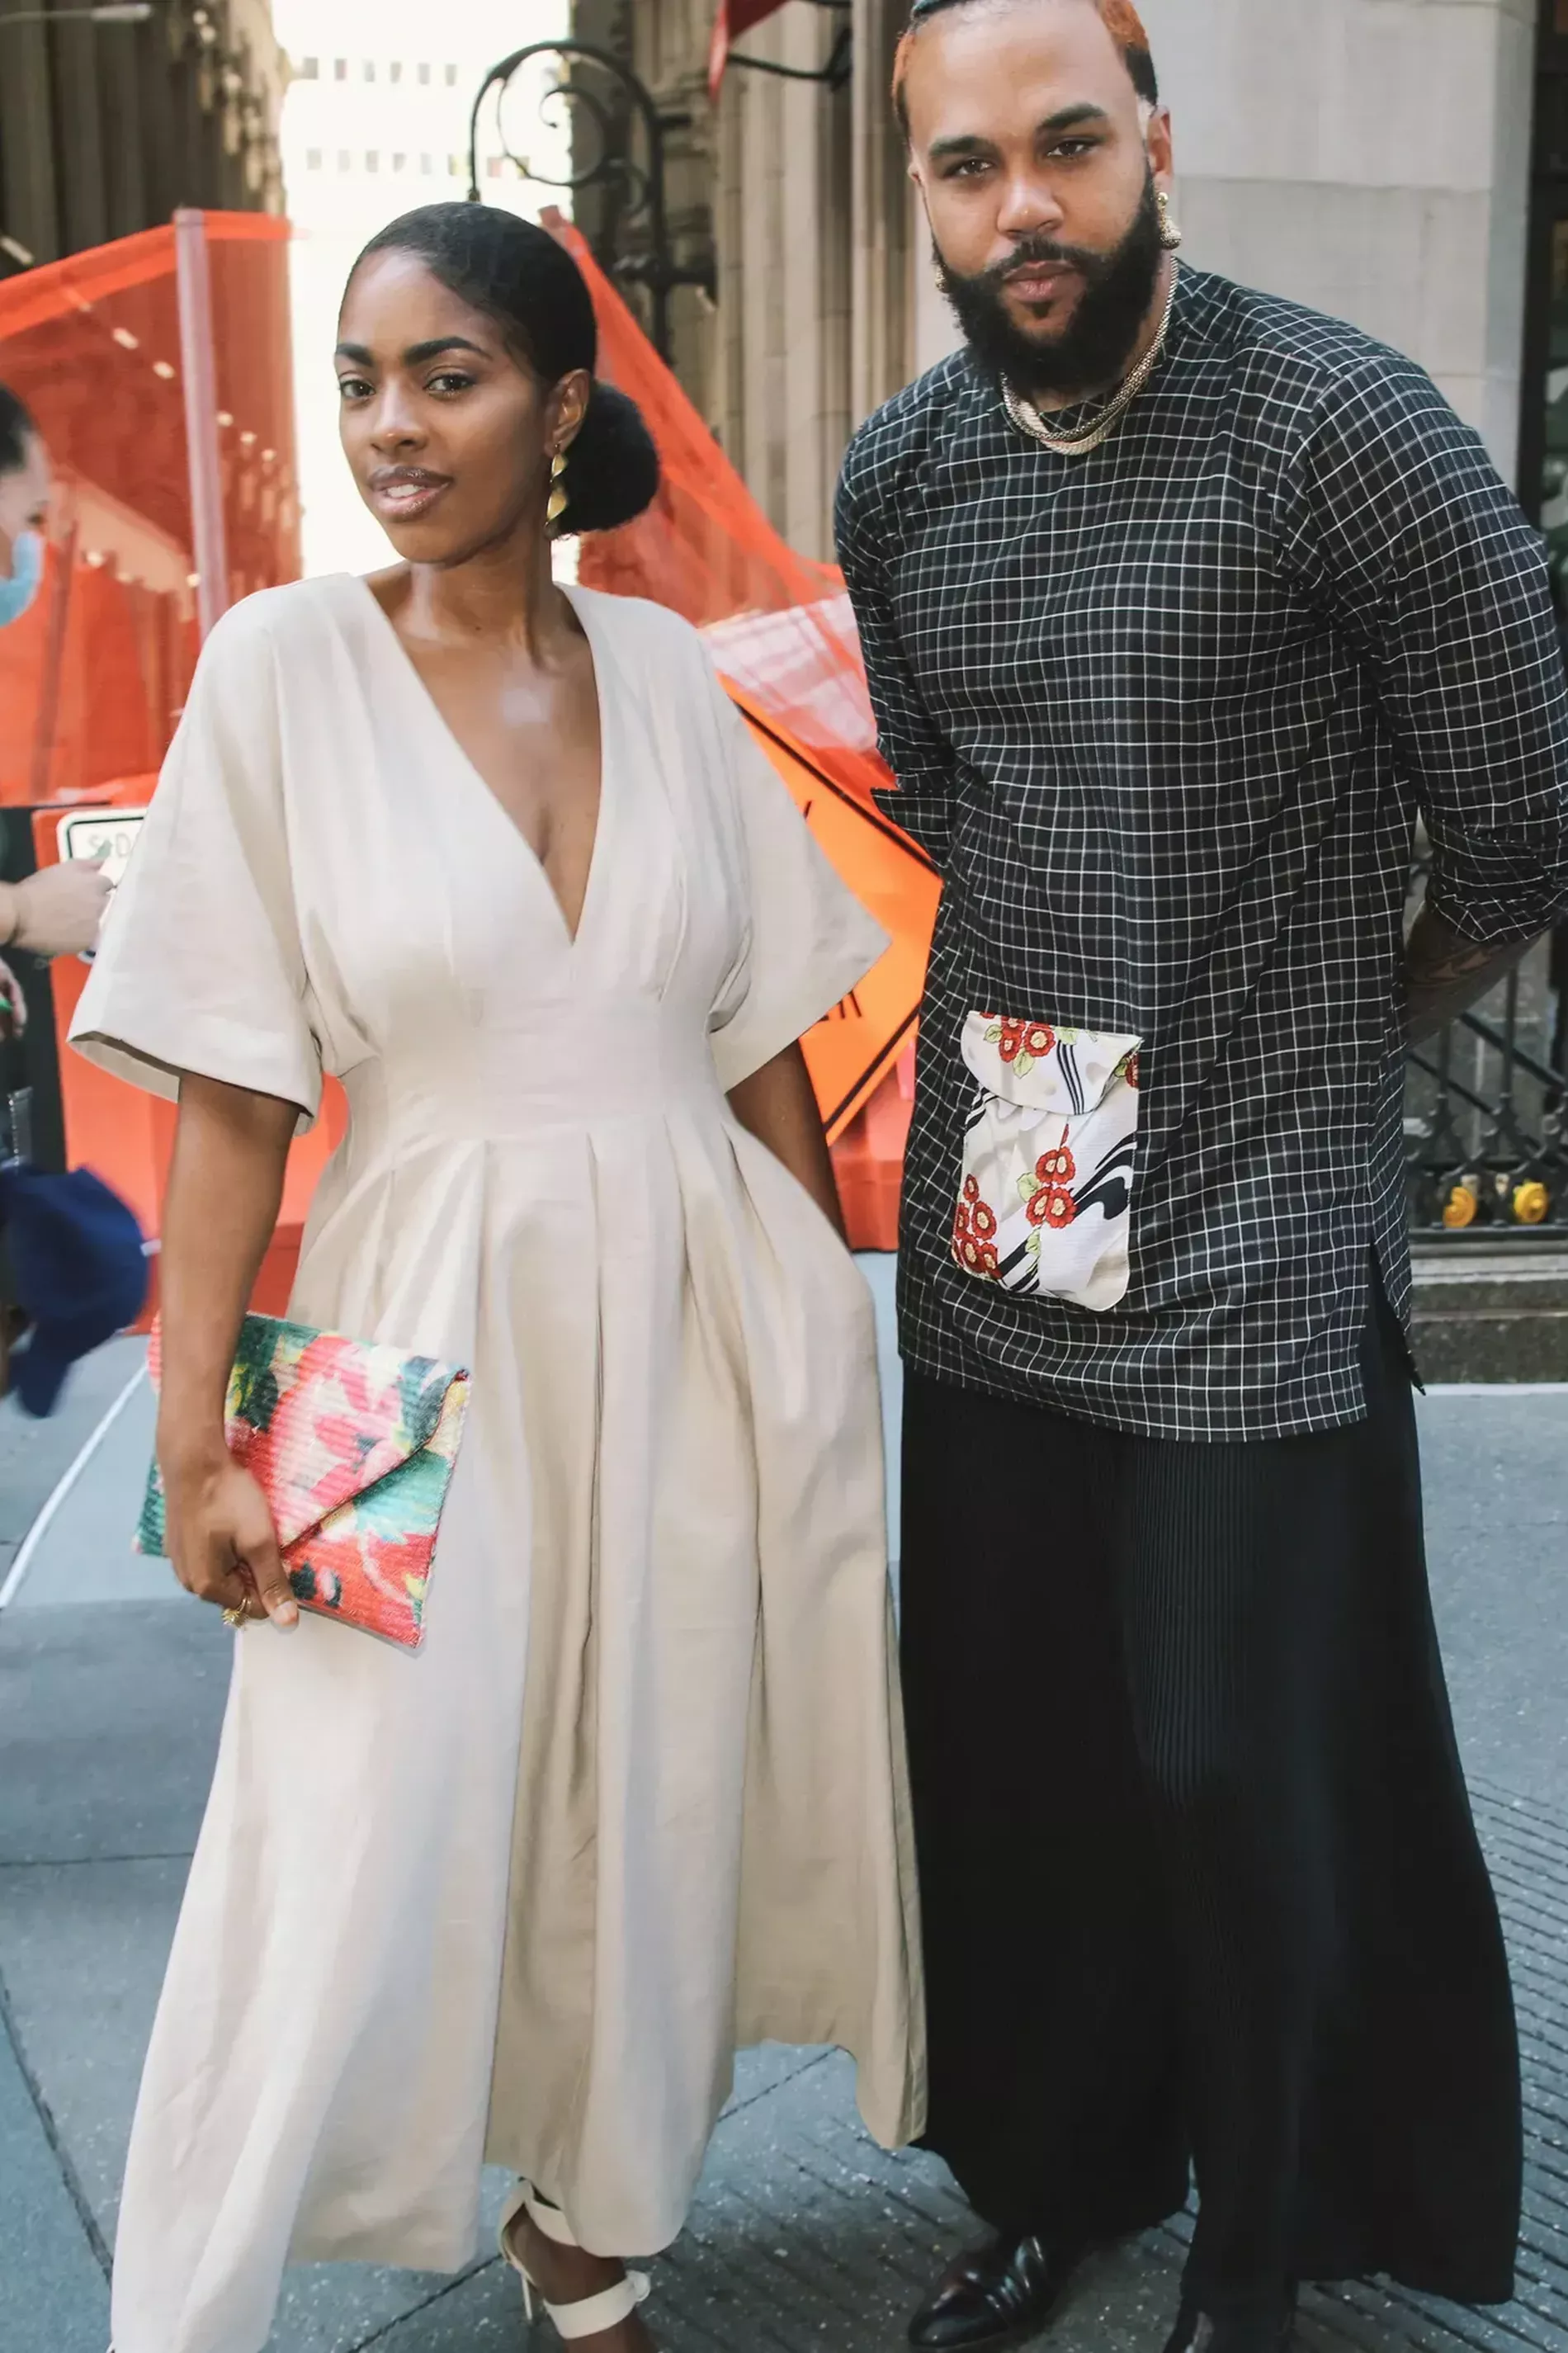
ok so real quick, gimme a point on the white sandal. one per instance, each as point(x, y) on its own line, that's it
point(590, 2314)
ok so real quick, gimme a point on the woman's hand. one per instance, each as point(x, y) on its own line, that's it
point(58, 910)
point(222, 1540)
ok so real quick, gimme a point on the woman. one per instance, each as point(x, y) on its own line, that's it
point(500, 857)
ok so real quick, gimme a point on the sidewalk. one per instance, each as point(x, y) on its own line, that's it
point(806, 2239)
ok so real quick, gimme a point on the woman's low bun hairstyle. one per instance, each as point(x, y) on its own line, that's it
point(612, 466)
point(524, 279)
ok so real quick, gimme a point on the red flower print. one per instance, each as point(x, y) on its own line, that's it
point(962, 1225)
point(1039, 1039)
point(1052, 1205)
point(984, 1221)
point(1012, 1041)
point(989, 1263)
point(967, 1253)
point(972, 1188)
point(1057, 1167)
point(1130, 1073)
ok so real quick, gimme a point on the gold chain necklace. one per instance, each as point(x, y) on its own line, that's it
point(1027, 417)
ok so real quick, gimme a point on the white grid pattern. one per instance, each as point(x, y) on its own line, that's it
point(1163, 716)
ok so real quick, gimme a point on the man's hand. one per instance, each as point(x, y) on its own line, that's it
point(59, 910)
point(1445, 974)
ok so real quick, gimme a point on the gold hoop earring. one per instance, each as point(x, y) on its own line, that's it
point(1170, 235)
point(558, 494)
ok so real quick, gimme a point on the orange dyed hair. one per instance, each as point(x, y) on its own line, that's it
point(1120, 17)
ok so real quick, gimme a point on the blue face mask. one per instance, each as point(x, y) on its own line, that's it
point(26, 570)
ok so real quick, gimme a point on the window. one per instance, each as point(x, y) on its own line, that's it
point(424, 73)
point(310, 68)
point(451, 77)
point(399, 162)
point(345, 161)
point(370, 68)
point(425, 165)
point(373, 159)
point(492, 167)
point(339, 69)
point(312, 159)
point(454, 167)
point(395, 70)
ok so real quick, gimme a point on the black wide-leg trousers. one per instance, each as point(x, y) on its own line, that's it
point(1199, 1878)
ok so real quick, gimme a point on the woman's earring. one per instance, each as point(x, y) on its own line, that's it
point(1170, 235)
point(558, 498)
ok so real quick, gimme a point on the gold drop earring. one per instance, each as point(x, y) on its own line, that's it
point(558, 497)
point(1170, 235)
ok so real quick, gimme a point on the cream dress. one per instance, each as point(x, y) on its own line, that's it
point(640, 1799)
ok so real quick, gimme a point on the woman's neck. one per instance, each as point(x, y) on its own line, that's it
point(504, 595)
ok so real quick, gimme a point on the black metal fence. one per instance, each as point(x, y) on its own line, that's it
point(1486, 1115)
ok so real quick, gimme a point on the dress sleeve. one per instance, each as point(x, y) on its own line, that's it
point(200, 968)
point(806, 938)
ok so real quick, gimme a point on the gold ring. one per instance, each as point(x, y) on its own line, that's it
point(236, 1618)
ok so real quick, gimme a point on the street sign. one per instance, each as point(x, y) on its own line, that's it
point(109, 835)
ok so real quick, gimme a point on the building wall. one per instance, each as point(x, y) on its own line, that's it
point(793, 191)
point(105, 129)
point(1370, 158)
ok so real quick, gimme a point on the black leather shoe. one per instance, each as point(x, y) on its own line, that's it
point(1261, 2328)
point(996, 2294)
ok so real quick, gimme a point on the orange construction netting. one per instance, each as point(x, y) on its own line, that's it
point(93, 678)
point(783, 634)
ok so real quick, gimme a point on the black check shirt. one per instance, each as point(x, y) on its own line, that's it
point(1163, 716)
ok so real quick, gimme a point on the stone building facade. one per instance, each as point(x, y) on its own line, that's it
point(108, 129)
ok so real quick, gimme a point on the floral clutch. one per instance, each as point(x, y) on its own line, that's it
point(352, 1445)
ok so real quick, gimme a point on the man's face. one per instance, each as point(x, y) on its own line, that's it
point(1038, 165)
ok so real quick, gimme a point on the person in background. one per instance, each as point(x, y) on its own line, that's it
point(1178, 603)
point(59, 910)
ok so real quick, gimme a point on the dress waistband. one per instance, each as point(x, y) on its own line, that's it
point(504, 1076)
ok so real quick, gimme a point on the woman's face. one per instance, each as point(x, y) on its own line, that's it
point(24, 499)
point(449, 435)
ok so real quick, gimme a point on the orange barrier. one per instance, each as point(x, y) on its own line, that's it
point(105, 348)
point(782, 633)
point(123, 355)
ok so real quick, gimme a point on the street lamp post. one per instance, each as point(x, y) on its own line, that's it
point(657, 269)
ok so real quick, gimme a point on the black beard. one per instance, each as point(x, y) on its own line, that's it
point(1092, 352)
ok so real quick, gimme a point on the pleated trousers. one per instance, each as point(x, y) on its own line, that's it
point(1201, 1888)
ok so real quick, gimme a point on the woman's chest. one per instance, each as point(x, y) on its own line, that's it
point(422, 898)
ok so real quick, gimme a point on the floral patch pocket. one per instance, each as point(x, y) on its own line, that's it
point(1046, 1204)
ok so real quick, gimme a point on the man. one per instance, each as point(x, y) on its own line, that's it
point(1177, 602)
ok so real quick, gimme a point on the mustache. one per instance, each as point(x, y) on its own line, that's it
point(1033, 249)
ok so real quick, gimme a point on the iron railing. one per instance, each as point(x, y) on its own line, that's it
point(1486, 1115)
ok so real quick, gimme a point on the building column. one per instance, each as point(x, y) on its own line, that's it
point(29, 210)
point(1369, 158)
point(883, 355)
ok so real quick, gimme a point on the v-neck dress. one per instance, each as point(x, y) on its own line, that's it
point(640, 1798)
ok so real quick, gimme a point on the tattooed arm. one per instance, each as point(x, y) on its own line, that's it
point(1444, 974)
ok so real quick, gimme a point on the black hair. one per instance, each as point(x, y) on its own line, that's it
point(16, 429)
point(524, 279)
point(1120, 18)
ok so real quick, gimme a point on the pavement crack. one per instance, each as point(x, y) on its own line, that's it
point(437, 2296)
point(51, 2132)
